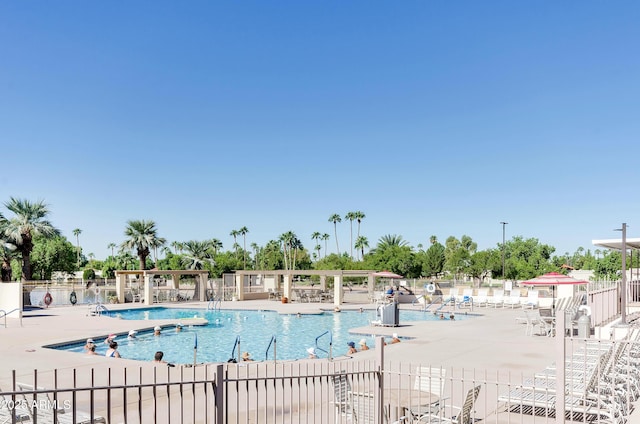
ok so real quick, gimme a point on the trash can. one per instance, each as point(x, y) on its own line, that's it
point(584, 326)
point(390, 314)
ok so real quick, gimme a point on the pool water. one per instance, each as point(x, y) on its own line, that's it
point(255, 329)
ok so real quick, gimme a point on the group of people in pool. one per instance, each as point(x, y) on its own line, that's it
point(112, 350)
point(351, 346)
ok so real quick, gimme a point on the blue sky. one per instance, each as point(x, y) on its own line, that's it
point(432, 118)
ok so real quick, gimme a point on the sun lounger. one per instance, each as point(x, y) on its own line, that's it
point(62, 415)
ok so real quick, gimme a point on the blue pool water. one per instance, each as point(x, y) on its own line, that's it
point(294, 334)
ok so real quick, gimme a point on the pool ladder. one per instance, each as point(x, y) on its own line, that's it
point(330, 351)
point(97, 309)
point(214, 304)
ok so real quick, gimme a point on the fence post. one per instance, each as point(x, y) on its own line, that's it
point(380, 366)
point(219, 394)
point(560, 367)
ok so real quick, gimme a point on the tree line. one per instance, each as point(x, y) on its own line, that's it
point(32, 248)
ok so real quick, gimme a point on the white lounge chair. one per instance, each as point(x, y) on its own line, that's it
point(514, 299)
point(62, 416)
point(482, 298)
point(497, 299)
point(531, 301)
point(462, 417)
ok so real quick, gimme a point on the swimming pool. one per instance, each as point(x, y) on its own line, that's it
point(255, 329)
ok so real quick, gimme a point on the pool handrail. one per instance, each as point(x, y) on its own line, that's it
point(233, 351)
point(213, 302)
point(330, 352)
point(274, 342)
point(5, 313)
point(433, 301)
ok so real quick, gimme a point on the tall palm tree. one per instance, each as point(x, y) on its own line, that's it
point(143, 236)
point(359, 217)
point(315, 237)
point(351, 216)
point(324, 238)
point(27, 222)
point(177, 246)
point(255, 247)
point(361, 243)
point(111, 246)
point(287, 240)
point(77, 233)
point(243, 231)
point(335, 218)
point(235, 234)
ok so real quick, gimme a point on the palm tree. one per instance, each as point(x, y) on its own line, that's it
point(315, 237)
point(216, 245)
point(111, 246)
point(77, 233)
point(197, 253)
point(177, 246)
point(287, 240)
point(351, 216)
point(361, 243)
point(28, 221)
point(143, 236)
point(254, 246)
point(335, 218)
point(324, 238)
point(7, 253)
point(235, 234)
point(243, 231)
point(359, 217)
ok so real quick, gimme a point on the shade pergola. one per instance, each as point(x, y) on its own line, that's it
point(616, 244)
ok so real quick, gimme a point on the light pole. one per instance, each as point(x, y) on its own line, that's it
point(503, 241)
point(623, 283)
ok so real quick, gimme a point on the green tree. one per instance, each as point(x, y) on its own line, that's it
point(111, 246)
point(315, 237)
point(335, 218)
point(433, 263)
point(28, 221)
point(197, 254)
point(481, 263)
point(52, 254)
point(142, 236)
point(362, 243)
point(243, 231)
point(351, 216)
point(525, 259)
point(77, 233)
point(325, 238)
point(235, 234)
point(7, 254)
point(457, 254)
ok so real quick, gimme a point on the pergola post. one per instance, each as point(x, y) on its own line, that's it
point(371, 284)
point(287, 286)
point(337, 290)
point(120, 286)
point(148, 288)
point(237, 278)
point(204, 278)
point(323, 282)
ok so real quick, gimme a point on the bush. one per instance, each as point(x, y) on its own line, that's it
point(88, 274)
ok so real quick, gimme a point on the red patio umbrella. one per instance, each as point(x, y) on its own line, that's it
point(553, 279)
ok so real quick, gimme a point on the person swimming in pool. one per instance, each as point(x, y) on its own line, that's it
point(352, 348)
point(112, 352)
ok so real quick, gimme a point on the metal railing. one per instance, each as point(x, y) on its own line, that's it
point(3, 314)
point(599, 382)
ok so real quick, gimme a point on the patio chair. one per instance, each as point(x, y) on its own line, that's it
point(531, 301)
point(9, 409)
point(497, 299)
point(366, 409)
point(341, 390)
point(429, 381)
point(464, 412)
point(514, 299)
point(482, 298)
point(62, 415)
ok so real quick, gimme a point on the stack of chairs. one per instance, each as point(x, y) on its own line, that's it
point(601, 382)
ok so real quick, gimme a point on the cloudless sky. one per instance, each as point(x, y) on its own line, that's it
point(431, 117)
